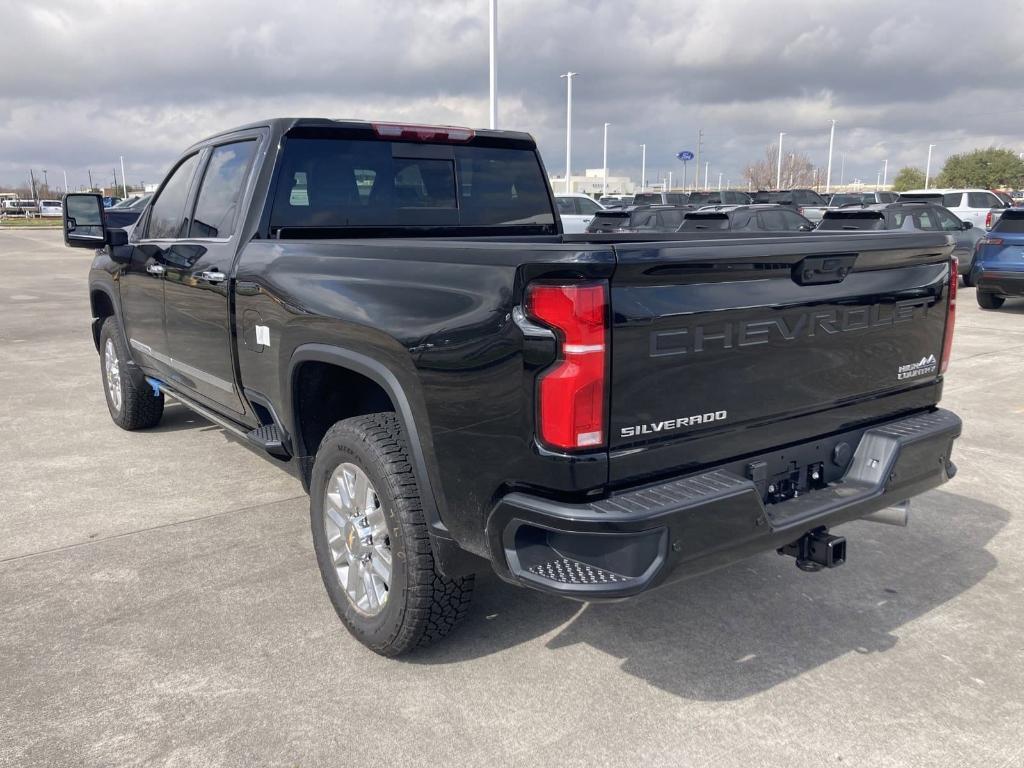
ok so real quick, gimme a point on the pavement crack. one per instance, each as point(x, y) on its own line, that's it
point(76, 545)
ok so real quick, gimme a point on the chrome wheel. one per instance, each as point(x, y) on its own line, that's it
point(112, 370)
point(357, 535)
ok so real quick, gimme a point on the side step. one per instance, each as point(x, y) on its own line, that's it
point(269, 438)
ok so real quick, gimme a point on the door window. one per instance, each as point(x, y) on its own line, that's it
point(982, 200)
point(947, 221)
point(221, 191)
point(587, 206)
point(952, 199)
point(791, 221)
point(566, 206)
point(167, 214)
point(771, 221)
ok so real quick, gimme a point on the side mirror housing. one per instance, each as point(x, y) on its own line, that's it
point(967, 225)
point(83, 221)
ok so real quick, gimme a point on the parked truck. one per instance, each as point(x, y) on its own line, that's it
point(392, 313)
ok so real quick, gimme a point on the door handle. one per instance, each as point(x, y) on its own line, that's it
point(213, 276)
point(155, 269)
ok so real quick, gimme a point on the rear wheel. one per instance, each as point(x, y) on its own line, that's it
point(968, 280)
point(988, 300)
point(130, 400)
point(371, 540)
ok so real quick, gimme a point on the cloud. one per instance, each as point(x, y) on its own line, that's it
point(98, 80)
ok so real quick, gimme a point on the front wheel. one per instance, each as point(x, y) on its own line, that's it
point(132, 403)
point(988, 300)
point(371, 540)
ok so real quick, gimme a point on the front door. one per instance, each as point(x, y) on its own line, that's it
point(197, 279)
point(142, 280)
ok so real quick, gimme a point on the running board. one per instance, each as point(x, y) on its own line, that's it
point(269, 438)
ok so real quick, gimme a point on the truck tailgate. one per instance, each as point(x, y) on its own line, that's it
point(729, 347)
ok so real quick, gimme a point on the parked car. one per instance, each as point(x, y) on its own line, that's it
point(861, 198)
point(19, 207)
point(724, 197)
point(912, 216)
point(576, 210)
point(977, 206)
point(998, 268)
point(110, 201)
point(591, 419)
point(643, 218)
point(125, 213)
point(661, 198)
point(745, 218)
point(615, 201)
point(806, 202)
point(49, 208)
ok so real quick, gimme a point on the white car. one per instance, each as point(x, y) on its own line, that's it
point(576, 211)
point(49, 208)
point(971, 205)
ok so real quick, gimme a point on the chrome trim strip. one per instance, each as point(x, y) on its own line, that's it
point(185, 368)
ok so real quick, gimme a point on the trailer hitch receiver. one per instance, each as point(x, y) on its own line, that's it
point(816, 550)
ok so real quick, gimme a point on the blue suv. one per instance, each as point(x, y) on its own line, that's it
point(998, 269)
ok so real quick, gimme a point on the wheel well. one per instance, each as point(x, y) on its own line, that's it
point(326, 394)
point(102, 308)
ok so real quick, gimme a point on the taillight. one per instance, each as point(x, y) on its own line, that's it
point(988, 220)
point(991, 241)
point(423, 132)
point(947, 343)
point(571, 393)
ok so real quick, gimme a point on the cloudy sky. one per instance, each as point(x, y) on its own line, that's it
point(86, 82)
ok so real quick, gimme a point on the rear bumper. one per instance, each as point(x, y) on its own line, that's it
point(640, 538)
point(1003, 283)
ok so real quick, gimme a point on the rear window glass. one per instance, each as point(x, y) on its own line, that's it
point(646, 198)
point(860, 220)
point(355, 183)
point(952, 200)
point(1010, 221)
point(704, 223)
point(705, 198)
point(846, 200)
point(676, 198)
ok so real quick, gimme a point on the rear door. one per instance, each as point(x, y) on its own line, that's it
point(197, 284)
point(722, 349)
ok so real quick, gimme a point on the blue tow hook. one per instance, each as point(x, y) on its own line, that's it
point(155, 385)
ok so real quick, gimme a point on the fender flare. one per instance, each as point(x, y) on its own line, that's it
point(383, 376)
point(115, 302)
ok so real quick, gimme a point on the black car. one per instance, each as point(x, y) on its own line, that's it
point(724, 197)
point(862, 198)
point(745, 218)
point(661, 198)
point(913, 217)
point(121, 216)
point(640, 218)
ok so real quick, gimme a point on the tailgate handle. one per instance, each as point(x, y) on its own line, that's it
point(818, 270)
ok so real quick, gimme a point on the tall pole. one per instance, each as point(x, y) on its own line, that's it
point(604, 185)
point(124, 182)
point(493, 63)
point(66, 190)
point(91, 185)
point(885, 173)
point(719, 182)
point(32, 176)
point(842, 171)
point(778, 170)
point(878, 180)
point(828, 173)
point(928, 167)
point(643, 167)
point(696, 168)
point(568, 129)
point(46, 182)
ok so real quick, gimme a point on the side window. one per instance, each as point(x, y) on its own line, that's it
point(670, 219)
point(982, 200)
point(792, 221)
point(947, 221)
point(644, 220)
point(771, 221)
point(952, 199)
point(565, 206)
point(221, 192)
point(926, 221)
point(167, 214)
point(587, 206)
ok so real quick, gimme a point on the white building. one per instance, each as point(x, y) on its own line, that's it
point(592, 183)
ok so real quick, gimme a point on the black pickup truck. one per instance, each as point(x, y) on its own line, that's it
point(393, 313)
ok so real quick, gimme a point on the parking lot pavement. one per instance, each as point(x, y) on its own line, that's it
point(160, 605)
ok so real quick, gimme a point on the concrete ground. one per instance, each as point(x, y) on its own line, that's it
point(160, 605)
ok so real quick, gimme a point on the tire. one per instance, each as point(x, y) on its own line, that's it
point(988, 300)
point(417, 605)
point(130, 399)
point(968, 280)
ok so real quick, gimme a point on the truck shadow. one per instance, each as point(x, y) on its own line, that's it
point(177, 418)
point(745, 629)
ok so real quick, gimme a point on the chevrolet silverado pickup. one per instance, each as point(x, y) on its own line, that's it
point(393, 313)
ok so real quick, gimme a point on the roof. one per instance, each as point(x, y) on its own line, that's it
point(942, 190)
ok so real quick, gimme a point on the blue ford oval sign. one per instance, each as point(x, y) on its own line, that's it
point(685, 155)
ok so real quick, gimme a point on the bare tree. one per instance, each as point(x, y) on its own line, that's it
point(797, 170)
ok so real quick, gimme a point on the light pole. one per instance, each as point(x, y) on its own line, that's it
point(778, 170)
point(493, 64)
point(46, 182)
point(928, 166)
point(878, 180)
point(842, 171)
point(706, 164)
point(66, 190)
point(643, 167)
point(604, 185)
point(124, 180)
point(828, 173)
point(670, 179)
point(568, 129)
point(719, 182)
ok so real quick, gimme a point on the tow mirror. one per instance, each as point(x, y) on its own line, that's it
point(967, 225)
point(83, 221)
